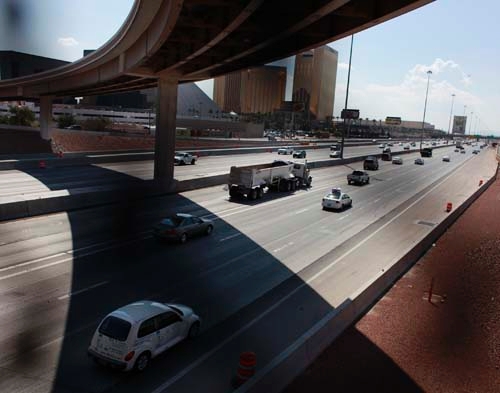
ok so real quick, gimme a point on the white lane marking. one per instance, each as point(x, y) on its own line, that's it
point(72, 258)
point(376, 200)
point(230, 237)
point(31, 262)
point(301, 211)
point(343, 217)
point(68, 295)
point(202, 358)
point(283, 247)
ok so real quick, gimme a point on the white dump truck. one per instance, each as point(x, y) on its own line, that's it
point(253, 180)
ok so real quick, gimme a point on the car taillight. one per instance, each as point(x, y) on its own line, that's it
point(129, 356)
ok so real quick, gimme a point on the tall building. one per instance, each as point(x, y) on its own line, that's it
point(314, 81)
point(254, 90)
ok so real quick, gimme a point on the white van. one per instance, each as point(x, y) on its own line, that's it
point(129, 337)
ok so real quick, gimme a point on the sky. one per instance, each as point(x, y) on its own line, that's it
point(458, 40)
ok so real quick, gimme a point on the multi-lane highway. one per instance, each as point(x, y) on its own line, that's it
point(16, 184)
point(61, 273)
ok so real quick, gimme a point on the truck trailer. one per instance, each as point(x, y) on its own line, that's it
point(253, 180)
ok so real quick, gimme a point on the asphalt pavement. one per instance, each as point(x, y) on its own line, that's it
point(61, 273)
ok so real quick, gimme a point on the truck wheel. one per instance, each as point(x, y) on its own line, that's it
point(309, 181)
point(293, 185)
point(349, 182)
point(183, 163)
point(288, 186)
point(233, 192)
point(252, 195)
point(297, 184)
point(193, 161)
point(260, 193)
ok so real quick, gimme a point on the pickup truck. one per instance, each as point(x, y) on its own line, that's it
point(183, 158)
point(358, 177)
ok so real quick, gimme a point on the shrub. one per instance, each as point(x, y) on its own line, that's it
point(21, 116)
point(96, 124)
point(65, 120)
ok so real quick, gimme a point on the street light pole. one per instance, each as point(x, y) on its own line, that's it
point(429, 73)
point(470, 124)
point(346, 100)
point(451, 112)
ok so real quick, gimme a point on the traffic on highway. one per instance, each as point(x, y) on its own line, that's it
point(86, 281)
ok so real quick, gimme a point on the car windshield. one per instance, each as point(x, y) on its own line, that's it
point(173, 221)
point(115, 328)
point(357, 173)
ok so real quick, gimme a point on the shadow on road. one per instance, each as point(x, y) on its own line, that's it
point(116, 260)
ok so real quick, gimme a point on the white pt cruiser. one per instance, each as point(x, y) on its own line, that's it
point(129, 337)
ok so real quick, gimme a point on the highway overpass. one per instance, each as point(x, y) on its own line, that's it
point(164, 43)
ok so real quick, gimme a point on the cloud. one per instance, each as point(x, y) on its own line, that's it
point(406, 98)
point(439, 66)
point(67, 41)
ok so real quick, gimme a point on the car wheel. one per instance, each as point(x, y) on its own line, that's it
point(209, 230)
point(184, 237)
point(260, 193)
point(368, 181)
point(142, 361)
point(182, 163)
point(349, 182)
point(350, 203)
point(194, 330)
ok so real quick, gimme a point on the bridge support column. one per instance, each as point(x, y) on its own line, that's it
point(45, 116)
point(166, 111)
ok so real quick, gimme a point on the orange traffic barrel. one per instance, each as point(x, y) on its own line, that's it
point(42, 164)
point(246, 368)
point(449, 207)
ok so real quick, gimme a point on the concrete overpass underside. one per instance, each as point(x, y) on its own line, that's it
point(164, 43)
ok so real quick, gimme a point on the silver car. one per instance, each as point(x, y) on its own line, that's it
point(336, 200)
point(182, 226)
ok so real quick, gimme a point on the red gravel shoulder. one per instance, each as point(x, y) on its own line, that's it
point(405, 343)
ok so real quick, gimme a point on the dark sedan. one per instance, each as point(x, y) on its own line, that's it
point(181, 227)
point(299, 154)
